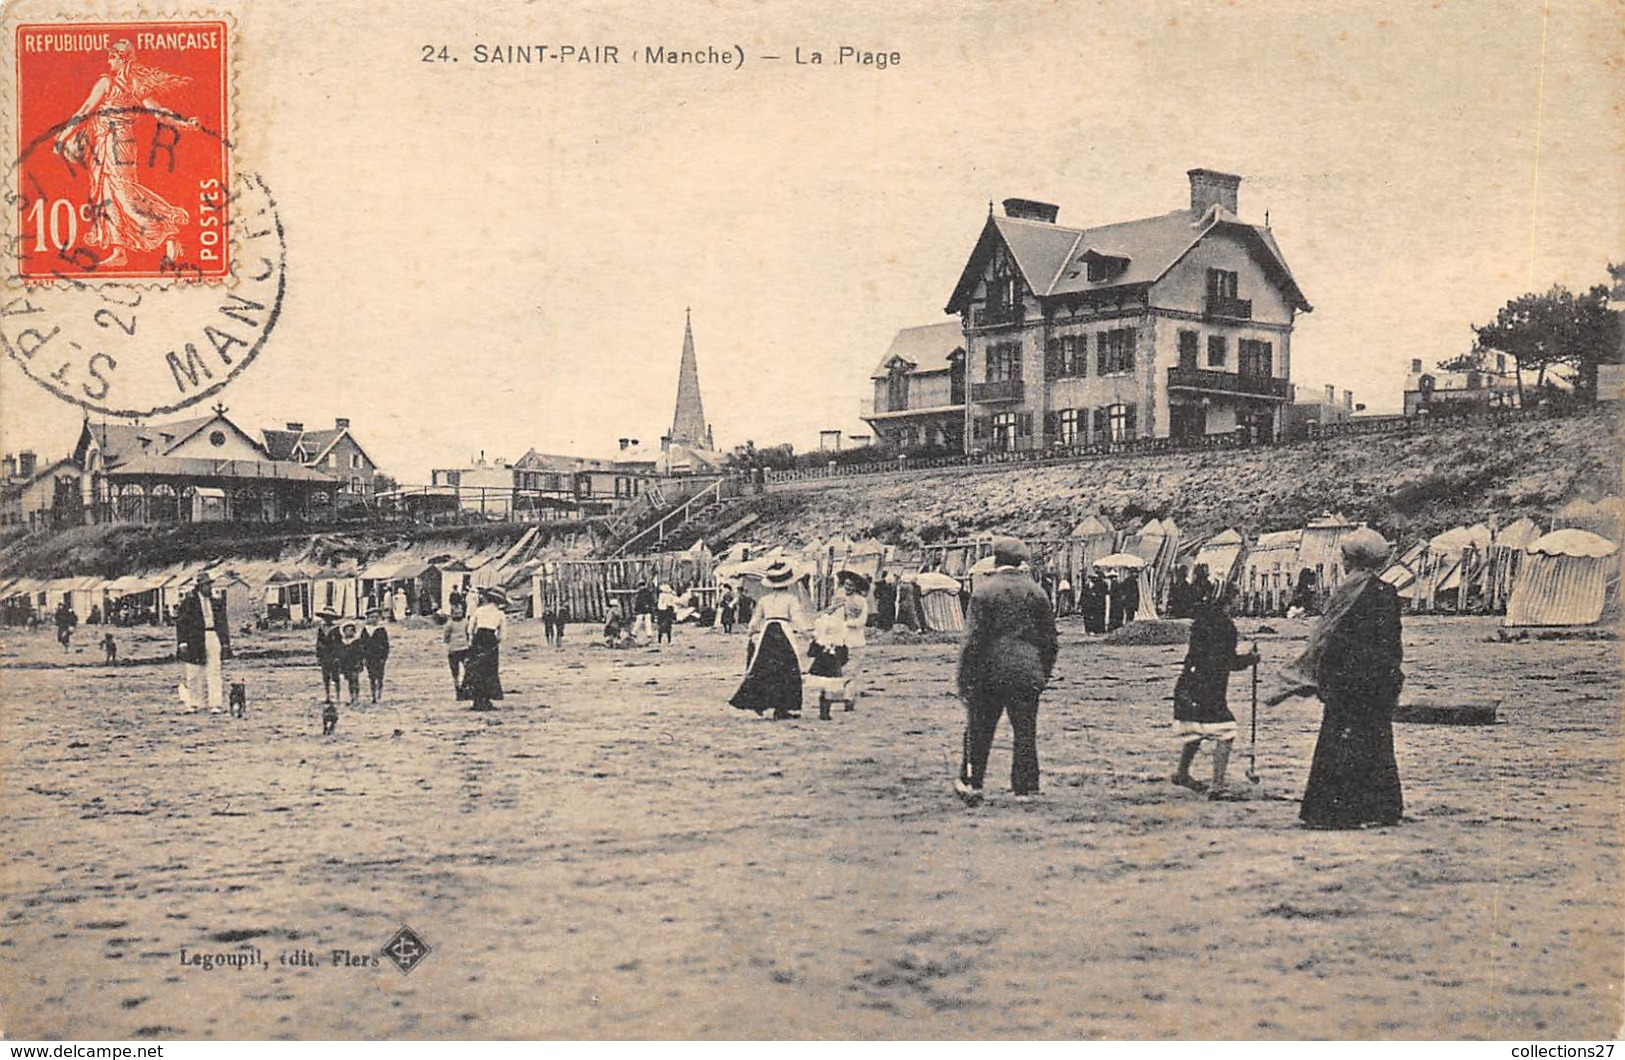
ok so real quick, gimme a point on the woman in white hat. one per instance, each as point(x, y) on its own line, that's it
point(773, 675)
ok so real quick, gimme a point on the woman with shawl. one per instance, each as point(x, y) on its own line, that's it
point(1352, 662)
point(773, 668)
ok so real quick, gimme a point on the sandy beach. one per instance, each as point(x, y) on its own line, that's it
point(616, 853)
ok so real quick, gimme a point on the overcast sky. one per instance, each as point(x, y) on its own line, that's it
point(493, 258)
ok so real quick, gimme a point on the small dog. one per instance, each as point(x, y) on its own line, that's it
point(330, 719)
point(238, 700)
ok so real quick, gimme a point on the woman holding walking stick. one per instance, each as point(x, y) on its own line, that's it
point(1201, 695)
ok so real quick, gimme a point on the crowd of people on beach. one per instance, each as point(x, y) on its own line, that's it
point(1352, 663)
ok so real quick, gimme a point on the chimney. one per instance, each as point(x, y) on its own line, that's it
point(1210, 186)
point(1331, 394)
point(26, 462)
point(1416, 366)
point(341, 423)
point(1031, 210)
point(11, 467)
point(297, 428)
point(1348, 400)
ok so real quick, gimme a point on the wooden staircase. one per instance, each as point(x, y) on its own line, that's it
point(660, 531)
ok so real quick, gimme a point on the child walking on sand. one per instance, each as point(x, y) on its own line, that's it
point(1201, 695)
point(828, 654)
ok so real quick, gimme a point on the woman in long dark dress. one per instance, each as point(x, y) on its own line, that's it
point(486, 624)
point(773, 668)
point(1352, 662)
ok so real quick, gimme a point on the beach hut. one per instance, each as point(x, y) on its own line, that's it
point(1448, 574)
point(132, 600)
point(289, 596)
point(337, 591)
point(1221, 555)
point(939, 602)
point(455, 576)
point(25, 601)
point(418, 578)
point(1270, 571)
point(1320, 549)
point(1508, 548)
point(1564, 580)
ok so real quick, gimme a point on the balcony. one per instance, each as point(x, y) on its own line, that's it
point(1229, 308)
point(1001, 390)
point(1234, 383)
point(998, 316)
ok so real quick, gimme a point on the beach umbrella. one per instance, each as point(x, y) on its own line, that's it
point(1120, 561)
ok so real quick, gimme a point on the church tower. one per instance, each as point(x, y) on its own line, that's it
point(688, 426)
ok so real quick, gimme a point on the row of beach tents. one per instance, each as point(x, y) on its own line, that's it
point(1567, 575)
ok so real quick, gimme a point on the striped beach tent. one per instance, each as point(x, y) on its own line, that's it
point(1564, 580)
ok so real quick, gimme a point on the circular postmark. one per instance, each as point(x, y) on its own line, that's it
point(145, 346)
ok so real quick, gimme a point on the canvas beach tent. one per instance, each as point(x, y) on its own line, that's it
point(1565, 580)
point(1270, 570)
point(1507, 551)
point(939, 602)
point(1221, 555)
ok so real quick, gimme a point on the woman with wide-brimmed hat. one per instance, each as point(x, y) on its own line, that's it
point(486, 625)
point(773, 666)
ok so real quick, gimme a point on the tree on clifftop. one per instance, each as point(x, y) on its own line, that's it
point(1558, 333)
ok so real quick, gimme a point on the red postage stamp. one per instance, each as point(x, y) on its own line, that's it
point(123, 159)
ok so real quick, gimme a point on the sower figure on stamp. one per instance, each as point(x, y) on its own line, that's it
point(1004, 663)
point(99, 136)
point(202, 642)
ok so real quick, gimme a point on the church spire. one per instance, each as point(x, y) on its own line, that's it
point(688, 422)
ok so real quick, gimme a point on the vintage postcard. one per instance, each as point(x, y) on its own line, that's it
point(926, 520)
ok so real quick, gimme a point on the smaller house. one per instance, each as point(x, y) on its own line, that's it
point(919, 389)
point(36, 497)
point(1435, 393)
point(335, 452)
point(1315, 409)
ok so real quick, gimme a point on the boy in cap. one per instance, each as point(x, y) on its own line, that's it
point(375, 652)
point(327, 652)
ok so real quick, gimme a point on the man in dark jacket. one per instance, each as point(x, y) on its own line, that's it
point(1004, 663)
point(202, 641)
point(643, 609)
